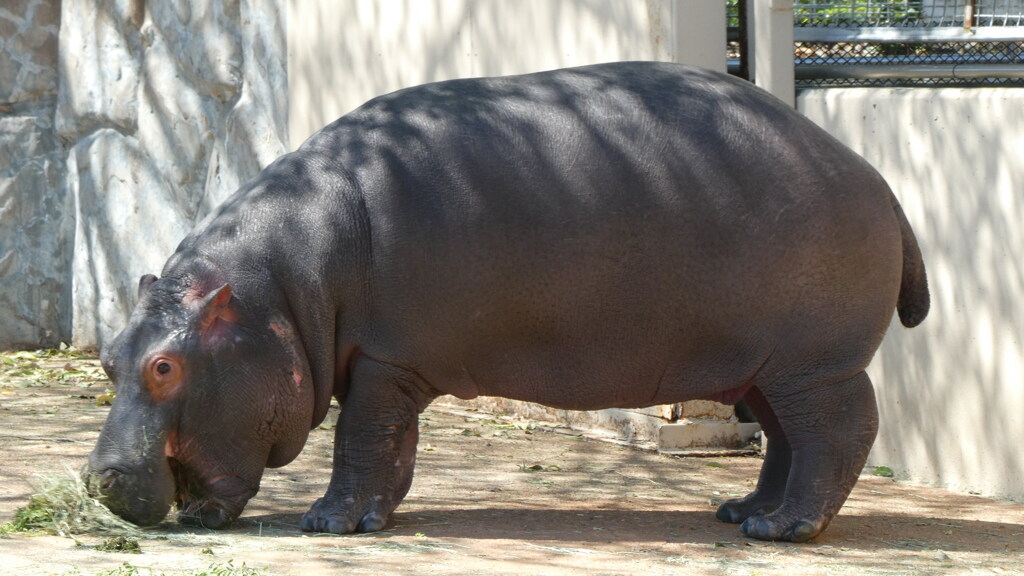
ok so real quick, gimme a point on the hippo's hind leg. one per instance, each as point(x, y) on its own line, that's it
point(829, 428)
point(771, 485)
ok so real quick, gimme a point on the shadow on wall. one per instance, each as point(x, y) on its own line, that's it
point(342, 56)
point(166, 109)
point(35, 219)
point(950, 391)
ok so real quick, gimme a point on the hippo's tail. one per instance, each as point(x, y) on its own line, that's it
point(913, 302)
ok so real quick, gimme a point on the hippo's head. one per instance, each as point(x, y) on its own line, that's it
point(210, 390)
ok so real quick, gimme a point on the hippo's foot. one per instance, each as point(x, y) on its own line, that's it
point(811, 463)
point(206, 514)
point(344, 515)
point(778, 527)
point(373, 473)
point(754, 504)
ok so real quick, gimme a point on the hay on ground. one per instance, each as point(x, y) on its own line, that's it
point(68, 503)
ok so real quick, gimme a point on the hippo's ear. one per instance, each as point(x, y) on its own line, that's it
point(217, 313)
point(145, 282)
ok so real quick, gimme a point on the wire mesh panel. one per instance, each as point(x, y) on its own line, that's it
point(856, 13)
point(909, 42)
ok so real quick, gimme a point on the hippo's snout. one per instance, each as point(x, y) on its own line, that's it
point(142, 495)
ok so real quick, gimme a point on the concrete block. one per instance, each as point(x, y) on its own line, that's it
point(705, 434)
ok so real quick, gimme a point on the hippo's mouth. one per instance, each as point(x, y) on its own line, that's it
point(212, 502)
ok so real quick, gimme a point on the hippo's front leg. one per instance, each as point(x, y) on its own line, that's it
point(374, 450)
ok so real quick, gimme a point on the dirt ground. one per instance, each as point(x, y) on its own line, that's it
point(496, 496)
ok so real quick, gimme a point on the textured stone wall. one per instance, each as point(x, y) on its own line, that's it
point(122, 123)
point(164, 109)
point(35, 224)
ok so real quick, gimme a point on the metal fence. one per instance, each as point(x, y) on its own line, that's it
point(915, 14)
point(736, 38)
point(909, 42)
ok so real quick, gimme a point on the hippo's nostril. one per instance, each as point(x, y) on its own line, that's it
point(108, 480)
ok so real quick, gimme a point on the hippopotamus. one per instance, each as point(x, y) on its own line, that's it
point(616, 235)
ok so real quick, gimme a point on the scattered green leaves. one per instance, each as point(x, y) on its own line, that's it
point(32, 518)
point(226, 569)
point(540, 468)
point(105, 399)
point(883, 471)
point(66, 365)
point(229, 569)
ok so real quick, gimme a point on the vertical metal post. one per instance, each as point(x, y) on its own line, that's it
point(744, 18)
point(969, 14)
point(773, 48)
point(700, 33)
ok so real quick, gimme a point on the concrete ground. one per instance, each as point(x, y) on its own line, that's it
point(495, 496)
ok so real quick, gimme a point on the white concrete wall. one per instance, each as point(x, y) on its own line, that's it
point(951, 391)
point(341, 54)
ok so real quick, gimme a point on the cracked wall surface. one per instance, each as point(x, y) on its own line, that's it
point(122, 123)
point(35, 224)
point(165, 109)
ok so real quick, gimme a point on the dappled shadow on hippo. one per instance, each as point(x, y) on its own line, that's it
point(618, 235)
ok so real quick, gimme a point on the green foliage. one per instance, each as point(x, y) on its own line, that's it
point(67, 504)
point(846, 12)
point(226, 569)
point(125, 569)
point(732, 13)
point(883, 471)
point(31, 518)
point(123, 544)
point(26, 368)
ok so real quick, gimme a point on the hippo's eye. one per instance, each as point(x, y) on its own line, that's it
point(163, 368)
point(163, 377)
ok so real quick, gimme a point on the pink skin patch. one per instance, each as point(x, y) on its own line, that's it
point(172, 441)
point(281, 331)
point(730, 396)
point(194, 293)
point(284, 332)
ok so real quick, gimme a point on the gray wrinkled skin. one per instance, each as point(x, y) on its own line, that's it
point(618, 235)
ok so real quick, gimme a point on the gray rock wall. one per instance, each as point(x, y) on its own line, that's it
point(189, 102)
point(35, 217)
point(125, 123)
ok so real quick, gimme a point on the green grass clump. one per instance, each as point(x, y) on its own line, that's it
point(123, 544)
point(883, 471)
point(226, 569)
point(66, 504)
